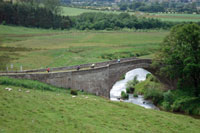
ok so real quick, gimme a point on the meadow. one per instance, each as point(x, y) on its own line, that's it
point(36, 48)
point(27, 108)
point(173, 17)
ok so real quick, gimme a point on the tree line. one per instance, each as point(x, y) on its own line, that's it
point(30, 15)
point(164, 6)
point(102, 21)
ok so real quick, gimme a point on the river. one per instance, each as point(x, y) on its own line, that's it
point(120, 86)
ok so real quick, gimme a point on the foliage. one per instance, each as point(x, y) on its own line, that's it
point(102, 21)
point(180, 56)
point(124, 95)
point(153, 93)
point(122, 77)
point(131, 84)
point(130, 90)
point(73, 92)
point(165, 6)
point(151, 89)
point(135, 95)
point(179, 100)
point(31, 16)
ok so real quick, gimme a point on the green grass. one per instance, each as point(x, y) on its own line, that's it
point(177, 17)
point(53, 111)
point(27, 84)
point(63, 48)
point(70, 11)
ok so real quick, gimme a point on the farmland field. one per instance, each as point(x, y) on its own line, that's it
point(34, 49)
point(173, 17)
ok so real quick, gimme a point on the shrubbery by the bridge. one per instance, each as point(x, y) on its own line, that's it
point(172, 100)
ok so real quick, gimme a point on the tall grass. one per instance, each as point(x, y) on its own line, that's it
point(30, 84)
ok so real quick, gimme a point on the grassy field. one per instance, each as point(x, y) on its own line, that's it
point(69, 11)
point(35, 110)
point(175, 17)
point(36, 48)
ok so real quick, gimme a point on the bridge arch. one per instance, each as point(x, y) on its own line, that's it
point(118, 70)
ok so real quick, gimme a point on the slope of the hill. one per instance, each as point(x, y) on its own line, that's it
point(34, 110)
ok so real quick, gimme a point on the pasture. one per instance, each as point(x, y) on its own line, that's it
point(28, 108)
point(36, 48)
point(173, 17)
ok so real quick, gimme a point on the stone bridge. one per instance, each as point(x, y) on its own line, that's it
point(98, 80)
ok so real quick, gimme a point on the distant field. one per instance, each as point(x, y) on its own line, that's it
point(176, 17)
point(34, 49)
point(163, 16)
point(69, 11)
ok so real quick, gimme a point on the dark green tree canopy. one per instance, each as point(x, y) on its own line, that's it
point(180, 54)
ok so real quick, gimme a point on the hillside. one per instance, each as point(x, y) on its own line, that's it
point(33, 110)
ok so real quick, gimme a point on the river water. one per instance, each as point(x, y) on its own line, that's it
point(120, 86)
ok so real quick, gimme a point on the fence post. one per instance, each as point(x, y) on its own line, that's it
point(21, 69)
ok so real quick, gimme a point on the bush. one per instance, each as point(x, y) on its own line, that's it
point(153, 78)
point(168, 97)
point(131, 84)
point(135, 95)
point(148, 75)
point(74, 92)
point(3, 23)
point(154, 93)
point(166, 106)
point(122, 77)
point(189, 105)
point(130, 90)
point(124, 95)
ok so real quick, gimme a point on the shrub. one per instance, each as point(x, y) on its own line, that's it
point(153, 78)
point(135, 95)
point(122, 77)
point(187, 104)
point(168, 97)
point(74, 92)
point(166, 106)
point(124, 95)
point(131, 84)
point(148, 75)
point(130, 90)
point(154, 93)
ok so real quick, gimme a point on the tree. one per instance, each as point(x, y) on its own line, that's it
point(180, 56)
point(52, 5)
